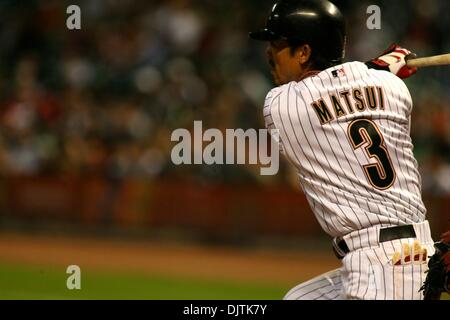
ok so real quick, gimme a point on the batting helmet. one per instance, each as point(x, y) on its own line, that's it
point(318, 23)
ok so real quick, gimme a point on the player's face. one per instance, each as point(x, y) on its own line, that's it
point(284, 65)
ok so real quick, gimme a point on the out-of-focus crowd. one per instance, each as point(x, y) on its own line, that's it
point(104, 100)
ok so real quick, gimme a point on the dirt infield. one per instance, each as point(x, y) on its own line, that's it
point(166, 259)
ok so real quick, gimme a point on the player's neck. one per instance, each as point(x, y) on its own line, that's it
point(308, 74)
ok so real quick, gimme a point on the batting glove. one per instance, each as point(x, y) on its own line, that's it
point(393, 59)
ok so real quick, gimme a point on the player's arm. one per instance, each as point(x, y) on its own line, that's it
point(393, 59)
point(270, 103)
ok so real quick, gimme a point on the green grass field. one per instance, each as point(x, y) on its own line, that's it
point(28, 282)
point(33, 282)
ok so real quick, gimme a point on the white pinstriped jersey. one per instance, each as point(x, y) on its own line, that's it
point(346, 130)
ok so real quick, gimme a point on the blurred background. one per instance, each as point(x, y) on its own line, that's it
point(85, 123)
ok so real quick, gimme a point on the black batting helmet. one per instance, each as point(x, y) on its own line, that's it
point(318, 23)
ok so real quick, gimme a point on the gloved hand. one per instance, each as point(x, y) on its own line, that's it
point(438, 274)
point(393, 59)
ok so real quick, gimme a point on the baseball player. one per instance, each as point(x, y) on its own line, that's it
point(345, 127)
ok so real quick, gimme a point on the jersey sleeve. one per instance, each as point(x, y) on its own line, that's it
point(407, 95)
point(271, 104)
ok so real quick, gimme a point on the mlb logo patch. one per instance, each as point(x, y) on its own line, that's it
point(338, 72)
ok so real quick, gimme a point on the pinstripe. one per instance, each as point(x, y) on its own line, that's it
point(360, 273)
point(354, 271)
point(369, 267)
point(352, 243)
point(337, 161)
point(328, 281)
point(267, 107)
point(345, 155)
point(402, 153)
point(326, 293)
point(325, 157)
point(317, 160)
point(332, 298)
point(350, 279)
point(384, 195)
point(393, 284)
point(403, 275)
point(313, 290)
point(415, 211)
point(412, 276)
point(325, 280)
point(298, 142)
point(364, 262)
point(383, 273)
point(390, 89)
point(387, 210)
point(407, 167)
point(379, 221)
point(421, 280)
point(309, 144)
point(393, 273)
point(341, 195)
point(387, 125)
point(369, 192)
point(297, 294)
point(412, 279)
point(295, 155)
point(300, 146)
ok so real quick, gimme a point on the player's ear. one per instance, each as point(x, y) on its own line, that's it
point(303, 53)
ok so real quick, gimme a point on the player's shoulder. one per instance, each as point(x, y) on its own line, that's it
point(361, 73)
point(278, 92)
point(390, 80)
point(386, 76)
point(355, 70)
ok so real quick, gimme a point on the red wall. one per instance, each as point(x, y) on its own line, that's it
point(217, 210)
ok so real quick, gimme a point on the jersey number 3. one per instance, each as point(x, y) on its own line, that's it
point(381, 175)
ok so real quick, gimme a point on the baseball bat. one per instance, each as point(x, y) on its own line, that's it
point(439, 60)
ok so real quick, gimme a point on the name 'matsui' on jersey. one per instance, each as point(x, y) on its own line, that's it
point(347, 132)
